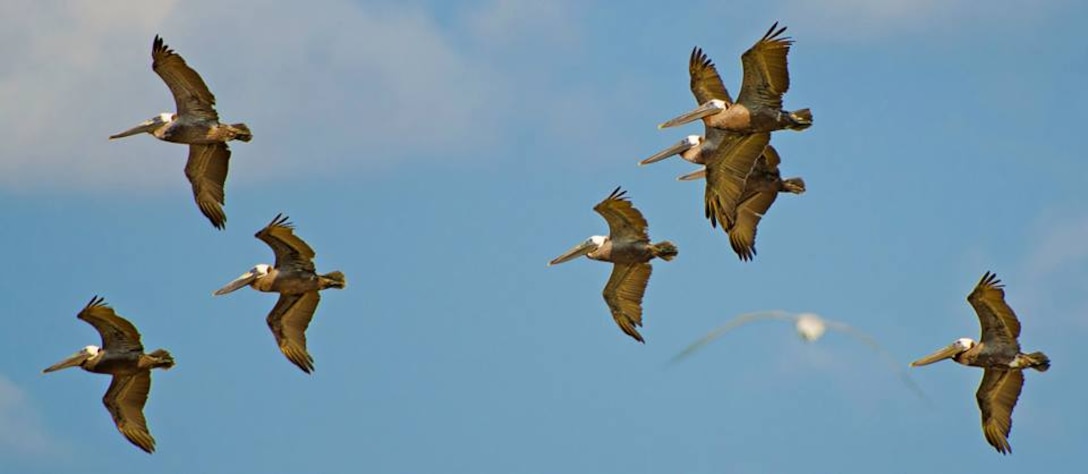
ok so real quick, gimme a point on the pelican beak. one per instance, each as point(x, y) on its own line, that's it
point(72, 361)
point(575, 252)
point(676, 149)
point(239, 282)
point(705, 110)
point(945, 353)
point(146, 127)
point(694, 175)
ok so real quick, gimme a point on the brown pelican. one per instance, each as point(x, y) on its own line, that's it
point(122, 356)
point(760, 190)
point(629, 249)
point(196, 123)
point(999, 354)
point(811, 327)
point(295, 279)
point(759, 105)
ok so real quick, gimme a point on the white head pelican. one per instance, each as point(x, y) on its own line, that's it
point(999, 354)
point(295, 279)
point(759, 106)
point(196, 123)
point(122, 356)
point(810, 327)
point(628, 247)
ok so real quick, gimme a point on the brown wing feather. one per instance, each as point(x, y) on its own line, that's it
point(625, 223)
point(623, 294)
point(191, 95)
point(998, 321)
point(289, 249)
point(726, 174)
point(288, 322)
point(742, 237)
point(706, 84)
point(766, 72)
point(117, 333)
point(125, 400)
point(207, 172)
point(997, 395)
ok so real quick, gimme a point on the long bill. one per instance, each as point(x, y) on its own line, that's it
point(709, 108)
point(143, 127)
point(942, 354)
point(575, 252)
point(239, 282)
point(676, 149)
point(692, 176)
point(73, 360)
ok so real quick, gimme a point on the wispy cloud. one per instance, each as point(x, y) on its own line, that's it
point(370, 84)
point(20, 430)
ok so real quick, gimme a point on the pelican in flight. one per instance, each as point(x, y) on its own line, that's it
point(295, 279)
point(758, 107)
point(196, 123)
point(122, 356)
point(810, 327)
point(760, 191)
point(999, 354)
point(628, 247)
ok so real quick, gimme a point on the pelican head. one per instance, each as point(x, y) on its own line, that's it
point(689, 142)
point(709, 108)
point(810, 327)
point(246, 278)
point(589, 245)
point(147, 126)
point(958, 347)
point(75, 360)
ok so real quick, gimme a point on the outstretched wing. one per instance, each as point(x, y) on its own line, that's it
point(997, 395)
point(998, 321)
point(766, 73)
point(729, 326)
point(207, 172)
point(625, 223)
point(117, 333)
point(191, 95)
point(125, 400)
point(288, 322)
point(289, 249)
point(726, 174)
point(706, 84)
point(623, 294)
point(742, 237)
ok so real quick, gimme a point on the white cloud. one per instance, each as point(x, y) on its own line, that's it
point(370, 84)
point(20, 430)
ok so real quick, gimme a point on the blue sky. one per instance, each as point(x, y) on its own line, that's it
point(441, 154)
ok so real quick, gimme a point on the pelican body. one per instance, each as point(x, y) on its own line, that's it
point(629, 249)
point(196, 123)
point(998, 352)
point(758, 107)
point(296, 280)
point(122, 356)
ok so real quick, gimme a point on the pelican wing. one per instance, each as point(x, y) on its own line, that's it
point(997, 395)
point(207, 172)
point(625, 223)
point(998, 321)
point(125, 400)
point(117, 333)
point(742, 237)
point(191, 95)
point(766, 74)
point(726, 174)
point(288, 322)
point(623, 293)
point(289, 249)
point(706, 84)
point(729, 326)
